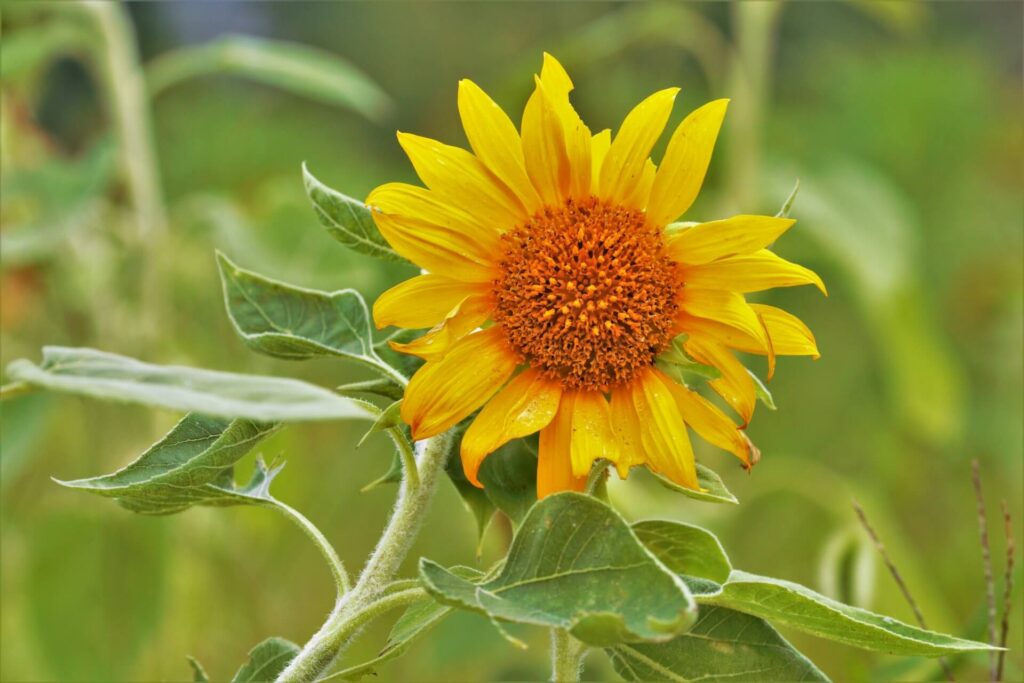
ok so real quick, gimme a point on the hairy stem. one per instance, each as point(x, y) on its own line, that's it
point(365, 601)
point(338, 572)
point(566, 656)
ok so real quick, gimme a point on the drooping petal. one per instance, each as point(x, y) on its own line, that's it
point(713, 425)
point(599, 145)
point(592, 435)
point(526, 405)
point(554, 463)
point(705, 242)
point(735, 385)
point(544, 147)
point(726, 307)
point(626, 429)
point(495, 141)
point(422, 301)
point(754, 272)
point(624, 164)
point(686, 161)
point(464, 181)
point(719, 332)
point(470, 314)
point(575, 133)
point(443, 392)
point(666, 445)
point(789, 335)
point(441, 239)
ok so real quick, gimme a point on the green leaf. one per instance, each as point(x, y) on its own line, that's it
point(199, 674)
point(714, 488)
point(191, 465)
point(722, 646)
point(575, 564)
point(266, 661)
point(475, 499)
point(112, 377)
point(797, 607)
point(762, 392)
point(417, 619)
point(685, 549)
point(676, 363)
point(787, 205)
point(299, 69)
point(347, 220)
point(295, 323)
point(509, 476)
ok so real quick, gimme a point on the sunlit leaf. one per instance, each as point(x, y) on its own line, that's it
point(112, 377)
point(684, 548)
point(790, 604)
point(763, 394)
point(295, 68)
point(266, 661)
point(714, 488)
point(575, 564)
point(722, 646)
point(191, 465)
point(292, 322)
point(199, 674)
point(347, 220)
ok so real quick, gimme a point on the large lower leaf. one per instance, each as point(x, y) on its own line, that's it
point(722, 646)
point(292, 322)
point(793, 605)
point(347, 220)
point(685, 549)
point(292, 67)
point(575, 564)
point(266, 661)
point(113, 377)
point(191, 465)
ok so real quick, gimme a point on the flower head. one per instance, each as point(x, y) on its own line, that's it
point(555, 281)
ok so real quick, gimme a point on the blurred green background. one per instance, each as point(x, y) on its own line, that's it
point(902, 121)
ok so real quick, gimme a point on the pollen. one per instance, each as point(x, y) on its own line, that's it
point(586, 293)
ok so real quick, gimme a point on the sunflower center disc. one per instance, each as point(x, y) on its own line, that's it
point(586, 293)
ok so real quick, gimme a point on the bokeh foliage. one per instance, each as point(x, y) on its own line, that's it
point(904, 127)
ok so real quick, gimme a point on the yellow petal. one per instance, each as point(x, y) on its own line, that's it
point(464, 181)
point(754, 272)
point(592, 435)
point(422, 301)
point(638, 199)
point(495, 141)
point(574, 132)
point(719, 332)
point(526, 404)
point(728, 308)
point(443, 392)
point(735, 385)
point(666, 445)
point(418, 225)
point(624, 164)
point(599, 145)
point(626, 429)
point(705, 242)
point(554, 463)
point(544, 148)
point(685, 163)
point(789, 335)
point(713, 425)
point(470, 314)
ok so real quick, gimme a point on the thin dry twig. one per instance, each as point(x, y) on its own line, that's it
point(897, 577)
point(1007, 589)
point(986, 556)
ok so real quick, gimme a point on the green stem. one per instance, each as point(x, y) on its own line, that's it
point(566, 656)
point(364, 601)
point(341, 579)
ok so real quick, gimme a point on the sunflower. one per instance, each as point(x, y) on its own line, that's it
point(554, 279)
